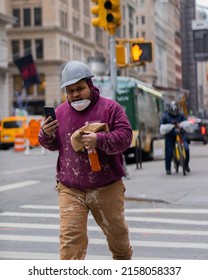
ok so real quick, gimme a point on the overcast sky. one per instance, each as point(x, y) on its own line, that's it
point(202, 2)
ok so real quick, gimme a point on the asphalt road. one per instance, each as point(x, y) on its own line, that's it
point(167, 215)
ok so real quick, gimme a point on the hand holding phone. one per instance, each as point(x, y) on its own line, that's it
point(50, 112)
point(49, 128)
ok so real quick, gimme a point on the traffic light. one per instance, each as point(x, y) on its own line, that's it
point(113, 14)
point(100, 13)
point(141, 52)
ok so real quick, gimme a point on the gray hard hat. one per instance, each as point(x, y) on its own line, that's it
point(73, 72)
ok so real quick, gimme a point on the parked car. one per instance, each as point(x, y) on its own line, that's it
point(200, 130)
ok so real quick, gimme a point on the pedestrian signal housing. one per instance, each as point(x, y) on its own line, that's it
point(141, 52)
point(120, 55)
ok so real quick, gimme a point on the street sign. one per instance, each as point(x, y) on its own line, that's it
point(200, 39)
point(200, 44)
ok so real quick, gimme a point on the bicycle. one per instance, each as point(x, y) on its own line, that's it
point(179, 153)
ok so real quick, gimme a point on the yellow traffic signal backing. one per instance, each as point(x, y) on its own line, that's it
point(113, 14)
point(100, 14)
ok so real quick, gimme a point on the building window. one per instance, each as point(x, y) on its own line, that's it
point(16, 14)
point(99, 36)
point(39, 48)
point(143, 19)
point(131, 13)
point(142, 3)
point(37, 16)
point(77, 52)
point(15, 49)
point(27, 47)
point(144, 68)
point(75, 24)
point(86, 30)
point(124, 31)
point(86, 8)
point(27, 17)
point(75, 4)
point(63, 19)
point(37, 89)
point(143, 34)
point(124, 12)
point(42, 85)
point(131, 30)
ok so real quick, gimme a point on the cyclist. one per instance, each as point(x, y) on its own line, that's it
point(172, 116)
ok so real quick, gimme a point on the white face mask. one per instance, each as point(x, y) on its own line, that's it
point(80, 105)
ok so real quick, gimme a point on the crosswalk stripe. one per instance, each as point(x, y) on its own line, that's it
point(28, 169)
point(43, 256)
point(45, 207)
point(17, 185)
point(128, 218)
point(35, 215)
point(28, 255)
point(161, 210)
point(94, 241)
point(139, 210)
point(51, 256)
point(96, 228)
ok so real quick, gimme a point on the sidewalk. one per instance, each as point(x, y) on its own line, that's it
point(150, 183)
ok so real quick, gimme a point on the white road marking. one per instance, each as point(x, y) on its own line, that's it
point(97, 229)
point(17, 185)
point(18, 255)
point(95, 241)
point(136, 210)
point(28, 169)
point(128, 218)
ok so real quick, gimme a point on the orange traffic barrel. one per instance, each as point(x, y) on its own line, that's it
point(19, 143)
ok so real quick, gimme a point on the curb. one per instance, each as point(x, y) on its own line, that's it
point(145, 199)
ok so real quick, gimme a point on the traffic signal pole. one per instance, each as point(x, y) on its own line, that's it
point(108, 16)
point(113, 65)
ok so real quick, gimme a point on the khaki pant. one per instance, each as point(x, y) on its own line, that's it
point(107, 207)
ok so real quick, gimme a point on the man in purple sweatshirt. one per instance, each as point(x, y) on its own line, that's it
point(80, 189)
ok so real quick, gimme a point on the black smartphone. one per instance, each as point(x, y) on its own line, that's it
point(49, 111)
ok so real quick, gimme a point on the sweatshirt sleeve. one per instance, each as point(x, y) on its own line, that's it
point(48, 142)
point(119, 138)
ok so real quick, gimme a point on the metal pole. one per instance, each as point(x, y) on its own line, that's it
point(113, 67)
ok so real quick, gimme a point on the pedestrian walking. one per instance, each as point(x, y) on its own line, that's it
point(90, 133)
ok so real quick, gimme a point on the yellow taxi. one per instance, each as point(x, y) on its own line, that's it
point(11, 126)
point(19, 125)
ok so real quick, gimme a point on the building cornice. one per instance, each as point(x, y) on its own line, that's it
point(7, 18)
point(45, 30)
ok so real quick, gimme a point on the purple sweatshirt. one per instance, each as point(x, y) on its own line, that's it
point(73, 168)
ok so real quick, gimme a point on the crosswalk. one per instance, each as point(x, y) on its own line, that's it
point(32, 232)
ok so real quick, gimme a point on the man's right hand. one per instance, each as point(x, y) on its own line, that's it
point(49, 126)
